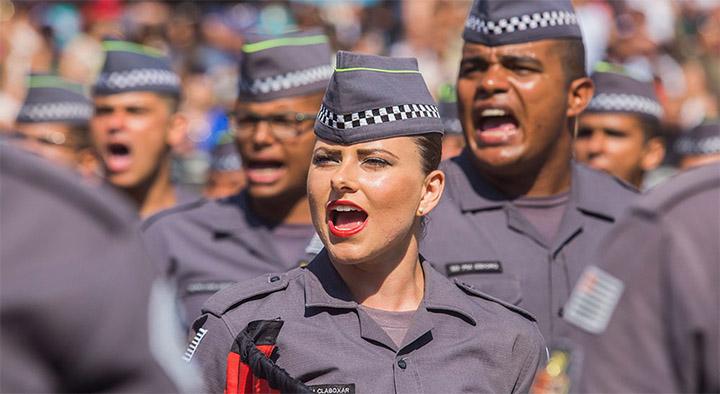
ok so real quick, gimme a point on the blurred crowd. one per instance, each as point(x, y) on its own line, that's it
point(674, 44)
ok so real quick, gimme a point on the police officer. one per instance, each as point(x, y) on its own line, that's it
point(136, 125)
point(649, 313)
point(53, 122)
point(519, 216)
point(225, 176)
point(207, 245)
point(367, 314)
point(75, 286)
point(699, 145)
point(619, 131)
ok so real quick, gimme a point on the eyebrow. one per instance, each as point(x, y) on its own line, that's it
point(368, 152)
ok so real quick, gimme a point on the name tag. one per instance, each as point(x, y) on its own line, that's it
point(206, 287)
point(333, 388)
point(476, 267)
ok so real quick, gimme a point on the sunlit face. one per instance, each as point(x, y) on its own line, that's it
point(131, 132)
point(364, 198)
point(54, 141)
point(221, 184)
point(513, 103)
point(278, 168)
point(614, 143)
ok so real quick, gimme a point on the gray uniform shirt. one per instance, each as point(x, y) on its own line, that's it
point(663, 334)
point(458, 341)
point(206, 245)
point(476, 234)
point(75, 286)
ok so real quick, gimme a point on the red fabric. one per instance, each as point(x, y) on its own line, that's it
point(240, 380)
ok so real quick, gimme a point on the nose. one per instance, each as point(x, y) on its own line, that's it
point(262, 134)
point(494, 80)
point(344, 179)
point(596, 143)
point(116, 121)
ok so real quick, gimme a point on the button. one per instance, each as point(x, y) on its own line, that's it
point(274, 279)
point(561, 311)
point(402, 364)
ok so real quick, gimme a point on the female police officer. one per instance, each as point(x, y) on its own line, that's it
point(368, 314)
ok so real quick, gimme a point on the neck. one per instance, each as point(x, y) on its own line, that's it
point(154, 194)
point(391, 283)
point(551, 176)
point(295, 211)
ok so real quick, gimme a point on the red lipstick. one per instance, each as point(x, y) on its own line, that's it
point(345, 218)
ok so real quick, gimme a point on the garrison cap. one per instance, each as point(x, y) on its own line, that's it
point(618, 92)
point(51, 98)
point(225, 157)
point(131, 67)
point(503, 22)
point(288, 65)
point(375, 97)
point(703, 139)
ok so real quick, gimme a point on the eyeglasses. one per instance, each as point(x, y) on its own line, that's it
point(284, 126)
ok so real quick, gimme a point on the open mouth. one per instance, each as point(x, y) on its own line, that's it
point(496, 125)
point(119, 157)
point(265, 171)
point(346, 218)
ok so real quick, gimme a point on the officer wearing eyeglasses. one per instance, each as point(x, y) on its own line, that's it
point(207, 245)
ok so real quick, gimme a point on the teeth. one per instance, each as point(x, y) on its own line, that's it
point(345, 208)
point(493, 112)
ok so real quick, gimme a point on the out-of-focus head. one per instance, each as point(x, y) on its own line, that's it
point(374, 170)
point(699, 145)
point(453, 140)
point(225, 176)
point(522, 76)
point(282, 80)
point(619, 131)
point(135, 124)
point(53, 120)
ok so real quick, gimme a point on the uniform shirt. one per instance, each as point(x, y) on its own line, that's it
point(458, 341)
point(663, 334)
point(206, 245)
point(75, 286)
point(476, 234)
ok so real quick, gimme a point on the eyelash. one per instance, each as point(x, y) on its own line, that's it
point(376, 162)
point(322, 159)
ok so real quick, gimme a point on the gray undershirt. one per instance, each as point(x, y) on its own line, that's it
point(544, 213)
point(290, 241)
point(395, 324)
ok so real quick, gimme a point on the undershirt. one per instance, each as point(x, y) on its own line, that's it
point(290, 241)
point(395, 324)
point(544, 213)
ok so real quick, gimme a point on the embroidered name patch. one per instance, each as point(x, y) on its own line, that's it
point(333, 388)
point(206, 287)
point(593, 300)
point(477, 267)
point(190, 351)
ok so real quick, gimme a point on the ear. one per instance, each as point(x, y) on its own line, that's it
point(579, 95)
point(653, 153)
point(177, 129)
point(432, 191)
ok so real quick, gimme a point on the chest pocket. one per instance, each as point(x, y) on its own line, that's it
point(487, 277)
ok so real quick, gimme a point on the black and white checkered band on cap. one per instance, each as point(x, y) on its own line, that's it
point(503, 22)
point(289, 65)
point(700, 140)
point(375, 97)
point(617, 92)
point(51, 98)
point(132, 67)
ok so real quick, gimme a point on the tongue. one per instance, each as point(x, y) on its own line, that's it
point(348, 220)
point(118, 163)
point(498, 123)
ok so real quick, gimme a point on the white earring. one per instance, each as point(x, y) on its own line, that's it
point(420, 210)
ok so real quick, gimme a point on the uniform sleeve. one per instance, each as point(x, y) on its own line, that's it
point(631, 355)
point(208, 349)
point(532, 352)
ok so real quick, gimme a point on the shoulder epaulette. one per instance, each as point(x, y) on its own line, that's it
point(469, 289)
point(236, 294)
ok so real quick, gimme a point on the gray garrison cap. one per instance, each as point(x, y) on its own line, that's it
point(703, 139)
point(51, 98)
point(504, 22)
point(289, 65)
point(131, 67)
point(617, 92)
point(375, 97)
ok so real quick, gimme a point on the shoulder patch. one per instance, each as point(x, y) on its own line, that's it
point(469, 289)
point(593, 300)
point(235, 294)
